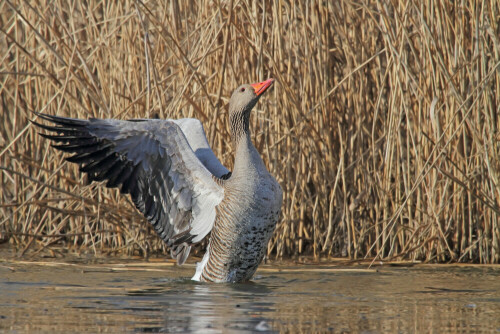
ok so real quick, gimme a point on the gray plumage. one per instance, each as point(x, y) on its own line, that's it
point(178, 184)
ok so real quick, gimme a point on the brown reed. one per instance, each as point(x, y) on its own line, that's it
point(382, 128)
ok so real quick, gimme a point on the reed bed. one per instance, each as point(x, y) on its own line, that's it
point(382, 127)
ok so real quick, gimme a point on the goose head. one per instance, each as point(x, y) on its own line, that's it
point(241, 103)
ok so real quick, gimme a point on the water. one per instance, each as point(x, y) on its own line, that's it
point(154, 297)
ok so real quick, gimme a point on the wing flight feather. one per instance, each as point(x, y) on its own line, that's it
point(172, 183)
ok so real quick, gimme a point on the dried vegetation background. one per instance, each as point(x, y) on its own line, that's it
point(382, 127)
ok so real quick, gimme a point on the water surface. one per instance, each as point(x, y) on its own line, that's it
point(159, 297)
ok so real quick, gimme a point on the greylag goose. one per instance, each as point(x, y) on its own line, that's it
point(178, 184)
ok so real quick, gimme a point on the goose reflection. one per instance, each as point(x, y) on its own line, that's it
point(207, 308)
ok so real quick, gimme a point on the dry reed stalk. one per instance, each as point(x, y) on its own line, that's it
point(383, 127)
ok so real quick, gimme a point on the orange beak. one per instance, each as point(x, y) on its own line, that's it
point(261, 87)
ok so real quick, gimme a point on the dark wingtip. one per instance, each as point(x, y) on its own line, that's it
point(51, 128)
point(64, 121)
point(51, 137)
point(42, 116)
point(59, 139)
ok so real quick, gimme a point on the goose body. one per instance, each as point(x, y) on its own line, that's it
point(177, 182)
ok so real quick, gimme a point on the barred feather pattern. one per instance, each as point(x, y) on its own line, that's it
point(246, 219)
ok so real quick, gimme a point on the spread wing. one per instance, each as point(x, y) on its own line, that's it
point(151, 160)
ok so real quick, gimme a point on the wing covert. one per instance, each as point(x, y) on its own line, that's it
point(195, 135)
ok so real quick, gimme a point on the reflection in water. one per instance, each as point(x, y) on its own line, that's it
point(421, 299)
point(208, 308)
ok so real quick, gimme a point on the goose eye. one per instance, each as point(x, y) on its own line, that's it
point(242, 89)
